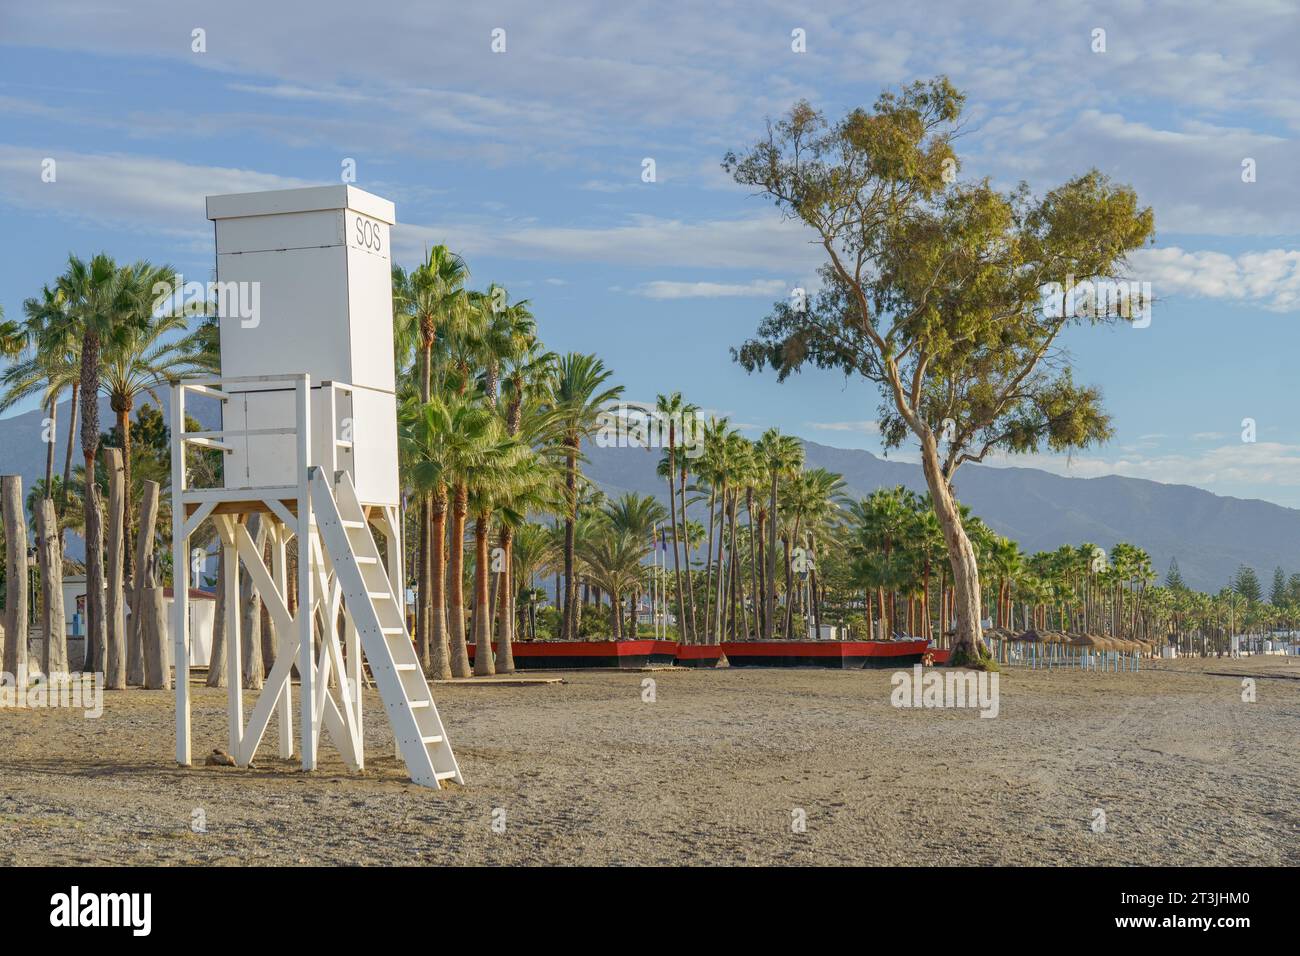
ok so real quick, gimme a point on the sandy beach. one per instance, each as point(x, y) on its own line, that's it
point(722, 767)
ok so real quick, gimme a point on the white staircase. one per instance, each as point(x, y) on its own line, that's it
point(372, 604)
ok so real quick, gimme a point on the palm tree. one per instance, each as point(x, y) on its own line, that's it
point(815, 502)
point(430, 304)
point(50, 366)
point(780, 454)
point(580, 395)
point(532, 554)
point(526, 374)
point(612, 560)
point(446, 441)
point(505, 475)
point(13, 338)
point(882, 524)
point(637, 516)
point(145, 357)
point(103, 304)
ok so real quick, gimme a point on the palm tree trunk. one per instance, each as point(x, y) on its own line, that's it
point(49, 451)
point(686, 557)
point(753, 558)
point(760, 596)
point(423, 602)
point(813, 587)
point(484, 665)
point(733, 571)
point(683, 633)
point(95, 625)
point(124, 429)
point(217, 652)
point(719, 595)
point(67, 458)
point(789, 584)
point(459, 652)
point(708, 561)
point(250, 625)
point(769, 596)
point(569, 623)
point(506, 622)
point(440, 651)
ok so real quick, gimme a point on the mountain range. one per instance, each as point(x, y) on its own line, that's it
point(1210, 535)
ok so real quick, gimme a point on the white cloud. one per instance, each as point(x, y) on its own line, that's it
point(140, 192)
point(867, 427)
point(1222, 469)
point(761, 242)
point(756, 288)
point(1269, 279)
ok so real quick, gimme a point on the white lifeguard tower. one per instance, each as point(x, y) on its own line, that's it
point(309, 441)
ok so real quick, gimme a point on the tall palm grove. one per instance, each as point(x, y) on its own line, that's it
point(506, 537)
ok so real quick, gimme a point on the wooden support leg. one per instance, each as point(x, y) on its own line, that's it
point(181, 631)
point(234, 664)
point(284, 706)
point(306, 662)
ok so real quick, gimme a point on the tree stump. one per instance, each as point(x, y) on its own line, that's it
point(115, 599)
point(250, 611)
point(54, 623)
point(217, 656)
point(155, 649)
point(135, 668)
point(15, 523)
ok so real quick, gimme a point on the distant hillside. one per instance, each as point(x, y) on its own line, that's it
point(1210, 535)
point(22, 446)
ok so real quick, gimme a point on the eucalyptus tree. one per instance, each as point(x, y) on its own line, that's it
point(934, 290)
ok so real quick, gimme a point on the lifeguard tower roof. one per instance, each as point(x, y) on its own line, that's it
point(278, 202)
point(309, 273)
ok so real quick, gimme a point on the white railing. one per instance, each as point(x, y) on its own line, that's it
point(221, 439)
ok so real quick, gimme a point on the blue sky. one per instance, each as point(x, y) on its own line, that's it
point(529, 162)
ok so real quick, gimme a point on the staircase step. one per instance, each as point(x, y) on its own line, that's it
point(381, 610)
